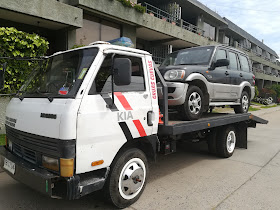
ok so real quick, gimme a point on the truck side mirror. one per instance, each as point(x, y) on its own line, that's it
point(2, 77)
point(221, 62)
point(122, 71)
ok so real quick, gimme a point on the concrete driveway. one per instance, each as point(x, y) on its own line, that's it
point(189, 179)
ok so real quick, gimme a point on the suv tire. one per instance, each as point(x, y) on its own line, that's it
point(244, 103)
point(192, 109)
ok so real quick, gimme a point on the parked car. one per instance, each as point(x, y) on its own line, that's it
point(201, 78)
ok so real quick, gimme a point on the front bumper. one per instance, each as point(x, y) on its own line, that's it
point(50, 184)
point(176, 93)
point(38, 179)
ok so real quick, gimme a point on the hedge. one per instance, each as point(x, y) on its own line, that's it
point(14, 43)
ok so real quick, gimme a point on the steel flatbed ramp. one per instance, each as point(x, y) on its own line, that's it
point(208, 121)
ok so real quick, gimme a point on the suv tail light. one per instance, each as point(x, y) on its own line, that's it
point(254, 82)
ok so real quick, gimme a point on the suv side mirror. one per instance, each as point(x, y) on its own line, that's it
point(220, 63)
point(122, 71)
point(2, 78)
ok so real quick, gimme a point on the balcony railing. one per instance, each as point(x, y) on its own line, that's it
point(161, 14)
point(273, 74)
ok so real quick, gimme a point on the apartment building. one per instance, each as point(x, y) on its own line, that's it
point(165, 26)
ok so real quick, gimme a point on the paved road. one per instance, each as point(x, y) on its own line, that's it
point(189, 179)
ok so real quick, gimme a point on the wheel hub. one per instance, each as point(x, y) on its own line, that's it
point(132, 179)
point(231, 140)
point(194, 103)
point(245, 102)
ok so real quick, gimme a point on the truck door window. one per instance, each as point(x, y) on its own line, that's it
point(232, 61)
point(102, 82)
point(244, 63)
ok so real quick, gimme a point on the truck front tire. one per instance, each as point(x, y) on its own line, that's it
point(127, 178)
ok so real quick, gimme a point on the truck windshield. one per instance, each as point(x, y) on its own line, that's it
point(60, 75)
point(191, 56)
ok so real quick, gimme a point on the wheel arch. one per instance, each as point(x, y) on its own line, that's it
point(248, 90)
point(201, 84)
point(147, 144)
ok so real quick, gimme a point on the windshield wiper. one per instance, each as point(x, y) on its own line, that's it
point(44, 94)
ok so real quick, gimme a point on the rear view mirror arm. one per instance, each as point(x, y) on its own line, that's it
point(112, 81)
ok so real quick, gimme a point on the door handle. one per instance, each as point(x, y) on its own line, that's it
point(150, 118)
point(241, 75)
point(226, 73)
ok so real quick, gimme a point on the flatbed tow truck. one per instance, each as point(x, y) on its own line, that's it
point(93, 120)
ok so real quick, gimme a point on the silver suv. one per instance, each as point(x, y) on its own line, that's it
point(201, 78)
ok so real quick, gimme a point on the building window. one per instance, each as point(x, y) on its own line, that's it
point(95, 29)
point(209, 31)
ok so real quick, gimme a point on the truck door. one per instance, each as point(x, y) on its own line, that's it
point(103, 127)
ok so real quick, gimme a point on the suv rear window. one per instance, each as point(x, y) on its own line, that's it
point(244, 63)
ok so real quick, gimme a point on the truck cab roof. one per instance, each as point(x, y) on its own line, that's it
point(107, 46)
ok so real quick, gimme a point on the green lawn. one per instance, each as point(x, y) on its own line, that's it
point(2, 139)
point(266, 107)
point(251, 109)
point(255, 103)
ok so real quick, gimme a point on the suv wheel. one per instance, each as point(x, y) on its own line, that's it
point(244, 103)
point(193, 107)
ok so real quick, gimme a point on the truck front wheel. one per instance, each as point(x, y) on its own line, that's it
point(127, 178)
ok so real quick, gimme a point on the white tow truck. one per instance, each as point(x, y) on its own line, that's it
point(91, 119)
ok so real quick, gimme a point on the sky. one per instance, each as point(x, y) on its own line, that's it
point(260, 18)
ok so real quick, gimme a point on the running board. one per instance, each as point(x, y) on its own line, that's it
point(223, 103)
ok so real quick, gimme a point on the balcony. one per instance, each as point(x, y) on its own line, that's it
point(161, 14)
point(261, 74)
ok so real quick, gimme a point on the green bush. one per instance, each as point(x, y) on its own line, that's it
point(276, 88)
point(14, 43)
point(256, 91)
point(131, 4)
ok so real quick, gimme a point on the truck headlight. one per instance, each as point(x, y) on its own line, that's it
point(50, 163)
point(174, 75)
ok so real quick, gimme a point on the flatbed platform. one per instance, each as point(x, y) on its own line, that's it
point(208, 121)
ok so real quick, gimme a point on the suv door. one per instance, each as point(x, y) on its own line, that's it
point(246, 71)
point(221, 79)
point(236, 74)
point(102, 129)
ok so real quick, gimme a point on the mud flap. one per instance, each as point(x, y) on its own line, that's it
point(242, 134)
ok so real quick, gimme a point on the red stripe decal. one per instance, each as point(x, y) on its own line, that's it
point(123, 101)
point(140, 128)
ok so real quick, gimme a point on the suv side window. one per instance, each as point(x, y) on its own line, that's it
point(102, 82)
point(244, 63)
point(221, 54)
point(233, 62)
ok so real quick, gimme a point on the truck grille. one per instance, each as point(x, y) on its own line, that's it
point(30, 147)
point(26, 154)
